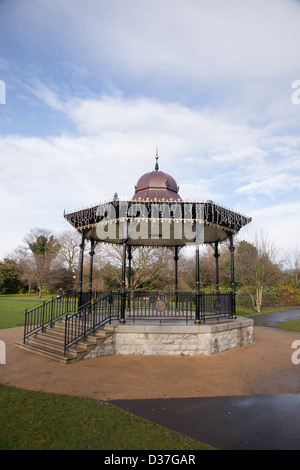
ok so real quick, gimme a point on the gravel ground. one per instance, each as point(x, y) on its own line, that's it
point(262, 368)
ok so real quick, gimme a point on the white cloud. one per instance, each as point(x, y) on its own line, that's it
point(269, 185)
point(46, 95)
point(116, 145)
point(208, 82)
point(280, 222)
point(188, 42)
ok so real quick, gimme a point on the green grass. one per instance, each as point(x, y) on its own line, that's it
point(12, 313)
point(36, 421)
point(25, 297)
point(248, 311)
point(292, 325)
point(12, 308)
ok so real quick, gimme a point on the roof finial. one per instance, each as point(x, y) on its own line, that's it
point(156, 157)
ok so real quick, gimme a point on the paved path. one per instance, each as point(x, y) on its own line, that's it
point(263, 422)
point(246, 398)
point(272, 319)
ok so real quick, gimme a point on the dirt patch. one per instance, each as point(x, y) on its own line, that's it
point(262, 368)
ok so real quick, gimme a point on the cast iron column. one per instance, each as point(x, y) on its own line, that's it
point(123, 290)
point(231, 247)
point(92, 252)
point(81, 256)
point(216, 255)
point(129, 274)
point(197, 315)
point(176, 277)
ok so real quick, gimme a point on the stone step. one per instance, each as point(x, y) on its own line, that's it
point(36, 342)
point(107, 327)
point(55, 334)
point(50, 343)
point(42, 352)
point(59, 327)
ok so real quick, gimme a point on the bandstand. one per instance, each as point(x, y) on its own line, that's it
point(155, 322)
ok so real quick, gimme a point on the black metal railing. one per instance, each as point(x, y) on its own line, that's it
point(48, 312)
point(81, 320)
point(215, 305)
point(90, 317)
point(161, 306)
point(181, 305)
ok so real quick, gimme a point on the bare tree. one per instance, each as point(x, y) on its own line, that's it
point(68, 255)
point(256, 267)
point(27, 267)
point(146, 265)
point(69, 241)
point(292, 262)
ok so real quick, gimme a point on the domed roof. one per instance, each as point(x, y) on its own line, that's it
point(156, 185)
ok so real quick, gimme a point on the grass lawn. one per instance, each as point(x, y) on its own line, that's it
point(12, 308)
point(248, 311)
point(36, 421)
point(292, 325)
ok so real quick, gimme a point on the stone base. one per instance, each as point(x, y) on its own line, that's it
point(175, 339)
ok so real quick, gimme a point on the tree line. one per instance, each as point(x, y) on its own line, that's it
point(47, 262)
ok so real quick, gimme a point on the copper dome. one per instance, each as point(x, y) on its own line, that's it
point(156, 185)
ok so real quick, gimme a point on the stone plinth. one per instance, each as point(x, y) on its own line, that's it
point(176, 339)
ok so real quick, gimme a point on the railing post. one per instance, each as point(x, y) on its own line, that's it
point(84, 330)
point(93, 309)
point(66, 326)
point(43, 316)
point(51, 311)
point(202, 306)
point(233, 308)
point(25, 326)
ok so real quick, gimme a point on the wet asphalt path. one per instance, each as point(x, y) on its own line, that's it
point(227, 423)
point(272, 319)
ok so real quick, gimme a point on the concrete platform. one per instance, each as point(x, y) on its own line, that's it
point(175, 338)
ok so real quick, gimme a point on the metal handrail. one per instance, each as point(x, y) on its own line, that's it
point(88, 318)
point(48, 312)
point(182, 305)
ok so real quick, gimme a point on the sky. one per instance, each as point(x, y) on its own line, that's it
point(90, 88)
